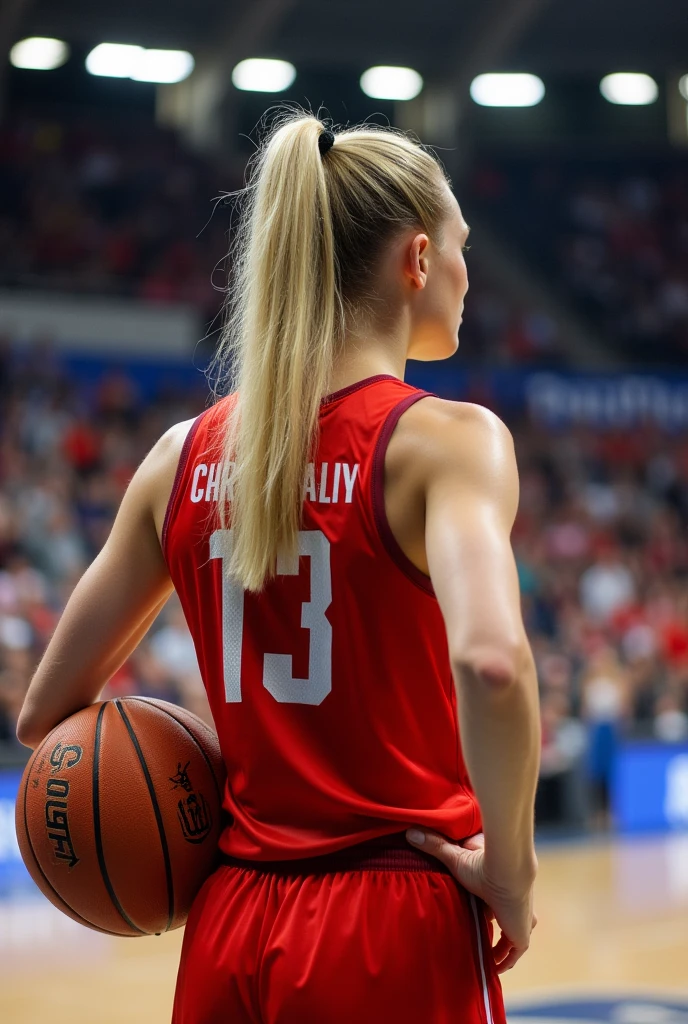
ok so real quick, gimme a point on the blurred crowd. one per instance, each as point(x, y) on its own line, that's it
point(100, 208)
point(611, 235)
point(87, 207)
point(600, 540)
point(602, 550)
point(499, 332)
point(67, 454)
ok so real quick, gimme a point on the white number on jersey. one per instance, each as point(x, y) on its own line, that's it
point(277, 668)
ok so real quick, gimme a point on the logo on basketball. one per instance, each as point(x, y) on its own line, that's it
point(181, 780)
point(193, 811)
point(65, 757)
point(57, 823)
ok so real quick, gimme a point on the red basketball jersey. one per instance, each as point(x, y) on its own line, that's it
point(331, 690)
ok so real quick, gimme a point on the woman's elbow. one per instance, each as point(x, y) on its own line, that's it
point(495, 667)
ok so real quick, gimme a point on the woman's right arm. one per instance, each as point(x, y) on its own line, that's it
point(471, 496)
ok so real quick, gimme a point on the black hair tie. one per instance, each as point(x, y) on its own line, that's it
point(325, 141)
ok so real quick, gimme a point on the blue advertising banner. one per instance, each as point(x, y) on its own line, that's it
point(613, 401)
point(557, 398)
point(12, 868)
point(610, 402)
point(650, 787)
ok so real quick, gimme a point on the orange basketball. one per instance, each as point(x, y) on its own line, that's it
point(119, 814)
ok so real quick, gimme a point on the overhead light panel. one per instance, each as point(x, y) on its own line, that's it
point(630, 89)
point(683, 86)
point(391, 83)
point(113, 60)
point(505, 89)
point(259, 74)
point(39, 53)
point(163, 66)
point(122, 60)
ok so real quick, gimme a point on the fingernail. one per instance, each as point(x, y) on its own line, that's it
point(414, 835)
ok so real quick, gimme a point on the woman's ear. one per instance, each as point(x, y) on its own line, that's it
point(417, 261)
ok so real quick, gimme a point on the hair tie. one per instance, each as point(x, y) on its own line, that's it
point(325, 141)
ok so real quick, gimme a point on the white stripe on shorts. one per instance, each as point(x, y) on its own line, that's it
point(486, 993)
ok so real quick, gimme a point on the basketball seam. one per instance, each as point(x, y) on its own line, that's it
point(45, 878)
point(96, 826)
point(174, 718)
point(156, 810)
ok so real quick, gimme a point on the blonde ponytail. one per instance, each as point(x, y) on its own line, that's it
point(311, 230)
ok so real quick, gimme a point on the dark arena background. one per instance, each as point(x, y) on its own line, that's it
point(565, 130)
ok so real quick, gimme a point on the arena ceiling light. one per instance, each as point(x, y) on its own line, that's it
point(39, 53)
point(391, 83)
point(259, 74)
point(113, 60)
point(629, 88)
point(122, 60)
point(506, 89)
point(164, 66)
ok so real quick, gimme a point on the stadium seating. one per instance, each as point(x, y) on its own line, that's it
point(609, 233)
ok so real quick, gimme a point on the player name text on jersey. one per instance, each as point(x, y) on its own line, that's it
point(326, 483)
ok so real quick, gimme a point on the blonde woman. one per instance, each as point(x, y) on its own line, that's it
point(340, 545)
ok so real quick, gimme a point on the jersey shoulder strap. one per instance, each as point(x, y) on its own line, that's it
point(200, 459)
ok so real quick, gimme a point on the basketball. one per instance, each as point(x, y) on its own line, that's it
point(119, 813)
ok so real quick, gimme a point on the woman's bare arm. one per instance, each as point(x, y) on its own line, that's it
point(459, 458)
point(471, 502)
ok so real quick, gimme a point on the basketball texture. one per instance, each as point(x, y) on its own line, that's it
point(119, 814)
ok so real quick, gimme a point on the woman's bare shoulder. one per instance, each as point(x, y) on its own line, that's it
point(439, 430)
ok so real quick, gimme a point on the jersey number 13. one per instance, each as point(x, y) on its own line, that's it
point(277, 668)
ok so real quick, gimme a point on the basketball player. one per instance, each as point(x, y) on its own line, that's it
point(340, 544)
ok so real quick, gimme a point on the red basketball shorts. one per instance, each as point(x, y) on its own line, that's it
point(373, 935)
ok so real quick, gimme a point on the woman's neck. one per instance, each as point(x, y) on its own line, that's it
point(369, 353)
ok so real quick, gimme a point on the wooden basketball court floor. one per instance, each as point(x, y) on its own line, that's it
point(613, 919)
